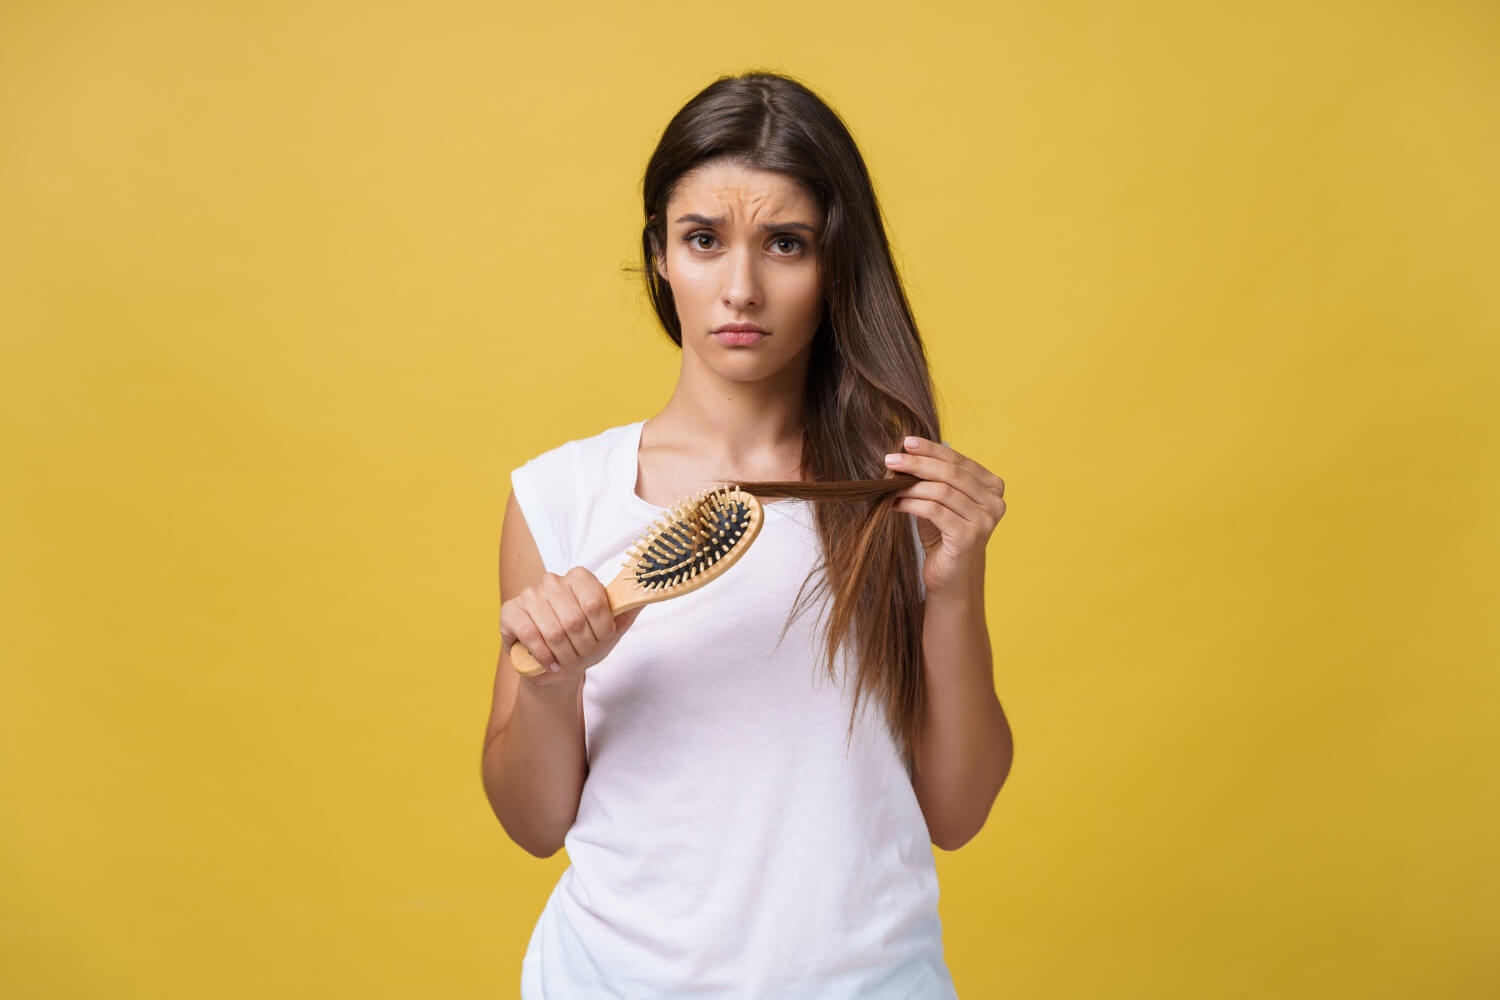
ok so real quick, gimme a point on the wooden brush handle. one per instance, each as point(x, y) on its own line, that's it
point(522, 660)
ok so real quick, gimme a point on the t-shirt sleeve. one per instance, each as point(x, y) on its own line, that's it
point(533, 501)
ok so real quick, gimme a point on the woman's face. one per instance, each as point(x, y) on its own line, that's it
point(742, 247)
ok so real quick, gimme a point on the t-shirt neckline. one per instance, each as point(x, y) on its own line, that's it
point(632, 467)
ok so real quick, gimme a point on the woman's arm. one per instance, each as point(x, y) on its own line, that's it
point(964, 753)
point(533, 764)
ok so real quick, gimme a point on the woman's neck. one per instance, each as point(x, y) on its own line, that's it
point(732, 424)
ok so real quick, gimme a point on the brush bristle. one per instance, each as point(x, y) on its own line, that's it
point(692, 536)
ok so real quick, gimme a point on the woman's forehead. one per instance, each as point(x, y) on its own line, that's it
point(719, 188)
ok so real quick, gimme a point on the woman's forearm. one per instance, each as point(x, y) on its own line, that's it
point(534, 768)
point(965, 751)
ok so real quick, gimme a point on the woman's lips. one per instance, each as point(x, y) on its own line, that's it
point(739, 338)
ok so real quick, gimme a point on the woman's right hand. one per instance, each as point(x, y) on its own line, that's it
point(565, 622)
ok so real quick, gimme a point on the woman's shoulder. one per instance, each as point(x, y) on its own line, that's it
point(557, 491)
point(589, 448)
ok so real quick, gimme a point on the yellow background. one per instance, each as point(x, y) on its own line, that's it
point(286, 290)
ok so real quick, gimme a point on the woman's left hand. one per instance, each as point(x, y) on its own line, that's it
point(958, 504)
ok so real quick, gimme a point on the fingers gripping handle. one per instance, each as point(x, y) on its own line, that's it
point(623, 595)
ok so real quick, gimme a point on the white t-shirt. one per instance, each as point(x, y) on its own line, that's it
point(725, 844)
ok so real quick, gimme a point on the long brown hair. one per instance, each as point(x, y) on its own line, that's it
point(868, 382)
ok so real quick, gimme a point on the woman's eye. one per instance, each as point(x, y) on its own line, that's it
point(796, 243)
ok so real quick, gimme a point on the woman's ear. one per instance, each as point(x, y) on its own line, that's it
point(661, 269)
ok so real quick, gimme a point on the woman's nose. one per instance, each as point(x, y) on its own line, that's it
point(742, 279)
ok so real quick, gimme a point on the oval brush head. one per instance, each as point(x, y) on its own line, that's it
point(692, 544)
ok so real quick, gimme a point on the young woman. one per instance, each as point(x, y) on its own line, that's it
point(748, 797)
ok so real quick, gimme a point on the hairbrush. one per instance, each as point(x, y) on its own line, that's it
point(688, 547)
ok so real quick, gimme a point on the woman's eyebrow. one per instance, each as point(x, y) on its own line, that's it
point(704, 220)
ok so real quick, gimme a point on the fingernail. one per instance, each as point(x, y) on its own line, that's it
point(892, 459)
point(913, 442)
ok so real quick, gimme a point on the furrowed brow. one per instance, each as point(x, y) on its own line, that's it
point(704, 220)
